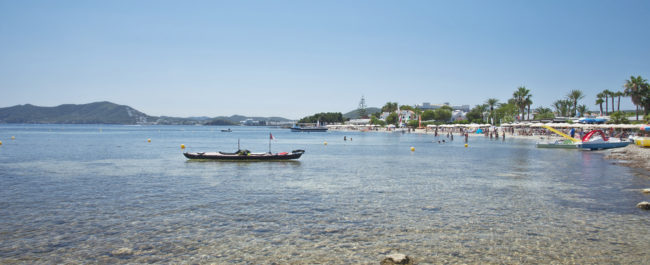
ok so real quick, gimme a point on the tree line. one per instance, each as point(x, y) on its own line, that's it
point(517, 108)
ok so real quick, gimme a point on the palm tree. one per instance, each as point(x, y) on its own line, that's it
point(574, 96)
point(528, 103)
point(543, 113)
point(612, 94)
point(633, 88)
point(606, 94)
point(618, 94)
point(599, 101)
point(520, 96)
point(492, 102)
point(582, 109)
point(562, 107)
point(558, 107)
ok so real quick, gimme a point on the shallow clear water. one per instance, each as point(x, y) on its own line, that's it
point(103, 194)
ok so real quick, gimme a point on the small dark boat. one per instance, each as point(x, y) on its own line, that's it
point(245, 155)
point(229, 130)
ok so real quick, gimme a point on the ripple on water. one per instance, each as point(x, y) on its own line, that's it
point(342, 204)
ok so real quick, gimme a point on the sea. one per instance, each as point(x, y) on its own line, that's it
point(115, 194)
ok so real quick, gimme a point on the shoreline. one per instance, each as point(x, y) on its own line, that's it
point(630, 156)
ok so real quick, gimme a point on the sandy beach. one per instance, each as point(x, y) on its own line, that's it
point(632, 155)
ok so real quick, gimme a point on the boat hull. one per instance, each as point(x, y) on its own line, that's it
point(244, 157)
point(558, 146)
point(603, 145)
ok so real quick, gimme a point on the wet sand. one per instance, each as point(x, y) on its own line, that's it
point(634, 156)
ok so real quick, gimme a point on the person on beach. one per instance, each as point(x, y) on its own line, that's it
point(466, 136)
point(345, 138)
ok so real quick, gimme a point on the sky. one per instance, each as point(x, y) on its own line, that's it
point(296, 58)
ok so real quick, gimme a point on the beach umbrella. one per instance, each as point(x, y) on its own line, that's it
point(645, 128)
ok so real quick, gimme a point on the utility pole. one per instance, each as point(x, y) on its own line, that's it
point(362, 108)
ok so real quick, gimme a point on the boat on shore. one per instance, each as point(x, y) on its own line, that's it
point(593, 140)
point(600, 144)
point(601, 141)
point(562, 144)
point(245, 155)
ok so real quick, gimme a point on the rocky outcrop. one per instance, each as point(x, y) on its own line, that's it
point(394, 259)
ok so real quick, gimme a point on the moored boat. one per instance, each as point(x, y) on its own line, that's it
point(597, 145)
point(601, 142)
point(245, 155)
point(563, 144)
point(297, 128)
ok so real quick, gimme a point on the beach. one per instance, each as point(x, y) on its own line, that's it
point(631, 156)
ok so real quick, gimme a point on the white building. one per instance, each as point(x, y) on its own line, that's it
point(429, 106)
point(405, 115)
point(458, 115)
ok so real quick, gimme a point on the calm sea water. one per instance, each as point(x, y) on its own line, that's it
point(103, 194)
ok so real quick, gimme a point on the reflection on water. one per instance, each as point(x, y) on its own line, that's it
point(75, 194)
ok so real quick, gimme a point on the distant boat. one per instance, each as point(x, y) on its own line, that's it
point(245, 155)
point(317, 128)
point(229, 130)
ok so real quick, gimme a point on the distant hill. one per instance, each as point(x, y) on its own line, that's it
point(238, 118)
point(98, 112)
point(355, 115)
point(108, 113)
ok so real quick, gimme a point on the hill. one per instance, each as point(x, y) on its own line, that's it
point(98, 112)
point(108, 113)
point(355, 115)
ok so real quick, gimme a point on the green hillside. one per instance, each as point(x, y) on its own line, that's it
point(98, 112)
point(107, 113)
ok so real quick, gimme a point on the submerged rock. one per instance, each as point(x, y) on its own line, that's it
point(122, 252)
point(644, 205)
point(398, 258)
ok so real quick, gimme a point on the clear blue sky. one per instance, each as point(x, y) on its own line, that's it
point(296, 58)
